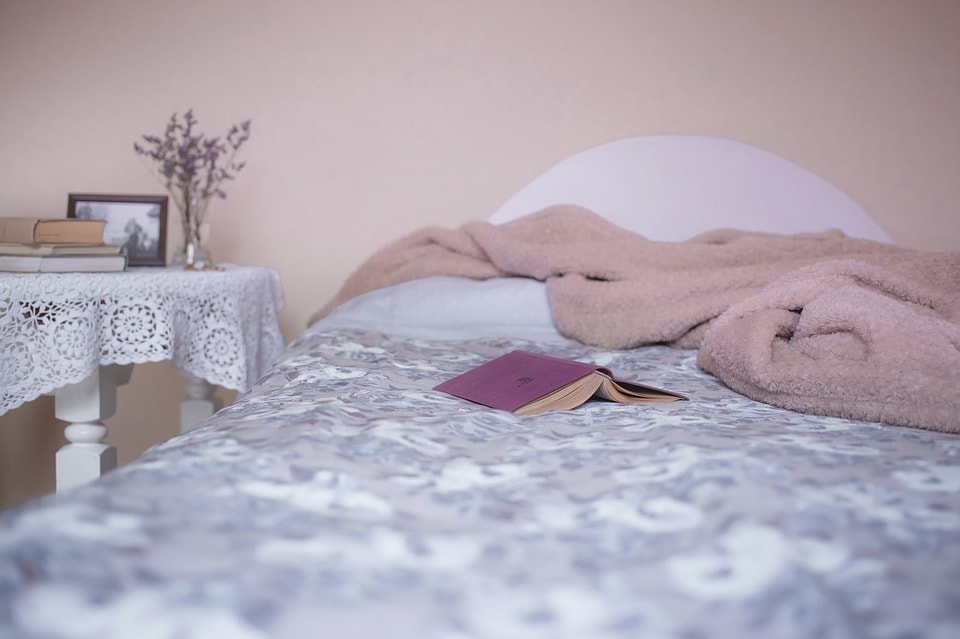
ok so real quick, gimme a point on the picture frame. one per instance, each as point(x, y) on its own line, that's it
point(138, 223)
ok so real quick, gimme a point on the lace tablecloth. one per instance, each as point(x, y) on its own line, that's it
point(55, 329)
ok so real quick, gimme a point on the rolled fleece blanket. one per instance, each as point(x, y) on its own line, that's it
point(850, 339)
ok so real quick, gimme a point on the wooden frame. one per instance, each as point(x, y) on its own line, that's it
point(136, 222)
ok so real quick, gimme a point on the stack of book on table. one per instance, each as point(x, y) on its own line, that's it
point(56, 245)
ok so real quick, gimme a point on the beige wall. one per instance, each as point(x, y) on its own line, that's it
point(372, 118)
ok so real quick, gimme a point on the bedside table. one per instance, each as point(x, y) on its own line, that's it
point(77, 336)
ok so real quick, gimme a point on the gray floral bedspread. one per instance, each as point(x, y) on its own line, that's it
point(343, 498)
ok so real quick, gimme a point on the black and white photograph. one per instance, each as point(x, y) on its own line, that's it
point(138, 223)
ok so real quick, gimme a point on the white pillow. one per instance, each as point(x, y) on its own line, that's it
point(452, 308)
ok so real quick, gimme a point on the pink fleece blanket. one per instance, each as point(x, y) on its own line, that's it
point(821, 323)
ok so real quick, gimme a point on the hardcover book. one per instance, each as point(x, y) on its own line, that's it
point(528, 383)
point(62, 263)
point(51, 230)
point(17, 248)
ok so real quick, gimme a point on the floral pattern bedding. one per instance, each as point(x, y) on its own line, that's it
point(342, 497)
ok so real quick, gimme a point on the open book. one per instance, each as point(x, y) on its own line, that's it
point(527, 383)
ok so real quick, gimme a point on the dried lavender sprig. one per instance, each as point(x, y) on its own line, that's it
point(191, 166)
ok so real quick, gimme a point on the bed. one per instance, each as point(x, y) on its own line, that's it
point(343, 497)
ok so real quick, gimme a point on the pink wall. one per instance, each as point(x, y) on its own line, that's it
point(372, 118)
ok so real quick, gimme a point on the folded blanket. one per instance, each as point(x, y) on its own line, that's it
point(616, 289)
point(851, 339)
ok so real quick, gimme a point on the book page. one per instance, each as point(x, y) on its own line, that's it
point(566, 397)
point(618, 390)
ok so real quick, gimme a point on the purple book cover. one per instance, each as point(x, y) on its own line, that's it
point(517, 378)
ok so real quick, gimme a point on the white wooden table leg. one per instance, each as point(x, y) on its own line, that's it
point(85, 405)
point(199, 403)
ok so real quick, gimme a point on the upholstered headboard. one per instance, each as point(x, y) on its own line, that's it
point(671, 187)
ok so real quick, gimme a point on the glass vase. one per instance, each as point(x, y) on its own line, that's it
point(193, 254)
